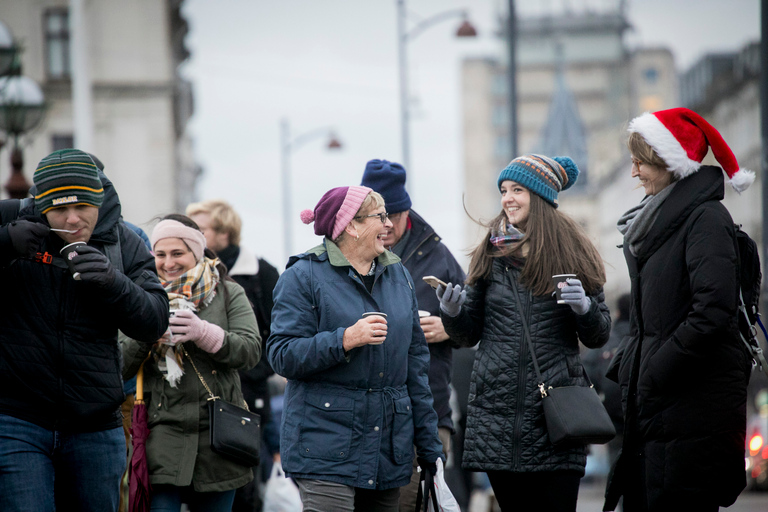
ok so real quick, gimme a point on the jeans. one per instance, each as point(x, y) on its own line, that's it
point(46, 470)
point(168, 498)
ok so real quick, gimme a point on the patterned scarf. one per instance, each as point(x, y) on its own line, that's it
point(193, 290)
point(505, 234)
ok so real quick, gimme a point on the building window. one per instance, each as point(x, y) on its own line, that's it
point(651, 75)
point(499, 85)
point(500, 116)
point(57, 43)
point(502, 147)
point(62, 142)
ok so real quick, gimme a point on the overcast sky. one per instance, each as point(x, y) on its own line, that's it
point(333, 63)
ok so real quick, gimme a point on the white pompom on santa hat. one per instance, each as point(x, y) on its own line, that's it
point(681, 137)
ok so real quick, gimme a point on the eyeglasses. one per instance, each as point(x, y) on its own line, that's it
point(382, 217)
point(637, 162)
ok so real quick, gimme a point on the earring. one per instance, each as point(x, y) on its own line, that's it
point(357, 238)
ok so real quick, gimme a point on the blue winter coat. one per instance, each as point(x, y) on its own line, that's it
point(350, 418)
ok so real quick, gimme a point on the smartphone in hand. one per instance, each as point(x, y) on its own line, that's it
point(434, 282)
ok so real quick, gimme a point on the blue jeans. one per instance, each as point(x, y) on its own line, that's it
point(46, 470)
point(168, 498)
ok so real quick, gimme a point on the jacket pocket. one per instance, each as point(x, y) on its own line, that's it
point(326, 431)
point(402, 431)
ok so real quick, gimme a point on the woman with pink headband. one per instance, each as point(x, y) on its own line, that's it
point(213, 326)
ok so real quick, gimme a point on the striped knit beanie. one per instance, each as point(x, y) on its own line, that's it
point(67, 177)
point(542, 175)
point(335, 210)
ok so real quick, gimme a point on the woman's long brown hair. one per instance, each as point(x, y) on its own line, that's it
point(557, 245)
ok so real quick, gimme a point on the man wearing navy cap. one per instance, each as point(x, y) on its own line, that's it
point(422, 253)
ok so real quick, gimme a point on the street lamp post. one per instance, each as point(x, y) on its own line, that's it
point(22, 106)
point(404, 36)
point(287, 146)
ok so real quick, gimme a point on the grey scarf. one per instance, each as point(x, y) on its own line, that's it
point(637, 221)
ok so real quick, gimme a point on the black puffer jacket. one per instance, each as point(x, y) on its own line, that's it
point(506, 430)
point(60, 364)
point(683, 370)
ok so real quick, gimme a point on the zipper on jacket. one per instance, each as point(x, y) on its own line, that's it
point(522, 377)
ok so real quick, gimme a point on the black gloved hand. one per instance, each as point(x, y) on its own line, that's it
point(94, 267)
point(27, 236)
point(427, 466)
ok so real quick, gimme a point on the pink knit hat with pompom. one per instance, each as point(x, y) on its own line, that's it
point(335, 210)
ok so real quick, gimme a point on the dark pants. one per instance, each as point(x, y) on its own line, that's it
point(40, 468)
point(638, 498)
point(325, 496)
point(553, 491)
point(168, 498)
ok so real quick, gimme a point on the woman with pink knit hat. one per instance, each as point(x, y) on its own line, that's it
point(683, 369)
point(346, 335)
point(213, 333)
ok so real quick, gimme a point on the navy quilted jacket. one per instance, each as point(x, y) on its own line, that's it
point(506, 430)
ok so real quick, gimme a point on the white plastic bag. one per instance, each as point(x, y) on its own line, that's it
point(281, 494)
point(445, 500)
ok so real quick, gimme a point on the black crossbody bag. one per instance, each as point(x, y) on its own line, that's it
point(235, 431)
point(575, 415)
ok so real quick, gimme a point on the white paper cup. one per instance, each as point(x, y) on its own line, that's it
point(559, 281)
point(375, 313)
point(68, 252)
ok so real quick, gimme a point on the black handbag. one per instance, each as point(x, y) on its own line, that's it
point(575, 415)
point(235, 432)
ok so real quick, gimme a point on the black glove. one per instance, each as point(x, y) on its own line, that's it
point(427, 466)
point(27, 237)
point(94, 267)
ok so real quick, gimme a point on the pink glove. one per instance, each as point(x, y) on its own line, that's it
point(187, 326)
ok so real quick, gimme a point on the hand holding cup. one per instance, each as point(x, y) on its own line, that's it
point(371, 329)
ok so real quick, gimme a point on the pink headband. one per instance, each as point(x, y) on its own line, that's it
point(175, 229)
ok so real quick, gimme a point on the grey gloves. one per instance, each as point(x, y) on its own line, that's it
point(451, 298)
point(574, 295)
point(27, 237)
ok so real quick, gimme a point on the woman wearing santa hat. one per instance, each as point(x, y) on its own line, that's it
point(683, 369)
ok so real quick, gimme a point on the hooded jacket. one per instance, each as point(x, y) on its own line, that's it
point(60, 364)
point(682, 369)
point(506, 430)
point(353, 417)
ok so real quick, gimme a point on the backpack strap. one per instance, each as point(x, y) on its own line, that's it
point(114, 253)
point(758, 356)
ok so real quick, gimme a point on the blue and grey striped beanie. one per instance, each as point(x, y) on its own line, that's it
point(542, 175)
point(67, 177)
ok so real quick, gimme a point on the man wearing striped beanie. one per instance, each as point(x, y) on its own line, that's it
point(61, 386)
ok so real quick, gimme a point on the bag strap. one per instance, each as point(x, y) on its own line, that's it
point(527, 336)
point(758, 356)
point(205, 384)
point(427, 492)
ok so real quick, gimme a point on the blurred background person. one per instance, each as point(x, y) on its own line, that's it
point(357, 397)
point(222, 225)
point(182, 465)
point(423, 254)
point(683, 371)
point(510, 293)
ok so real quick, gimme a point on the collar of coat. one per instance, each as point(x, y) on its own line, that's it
point(337, 258)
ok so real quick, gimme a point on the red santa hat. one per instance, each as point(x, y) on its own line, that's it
point(681, 137)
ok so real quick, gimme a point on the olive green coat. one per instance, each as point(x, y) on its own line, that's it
point(178, 449)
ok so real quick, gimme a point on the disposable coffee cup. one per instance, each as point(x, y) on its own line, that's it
point(375, 313)
point(559, 282)
point(424, 314)
point(68, 252)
